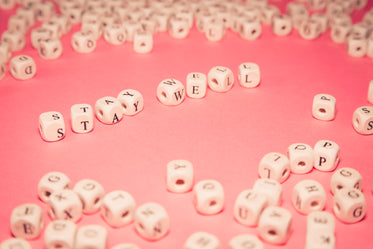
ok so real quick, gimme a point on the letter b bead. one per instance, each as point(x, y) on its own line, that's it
point(362, 120)
point(349, 205)
point(27, 221)
point(51, 126)
point(208, 197)
point(170, 92)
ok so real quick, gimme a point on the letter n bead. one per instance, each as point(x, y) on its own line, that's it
point(170, 92)
point(17, 243)
point(81, 118)
point(362, 120)
point(27, 221)
point(208, 197)
point(349, 205)
point(91, 236)
point(109, 110)
point(51, 126)
point(308, 196)
point(274, 166)
point(180, 176)
point(323, 107)
point(249, 75)
point(132, 101)
point(326, 155)
point(22, 67)
point(60, 234)
point(199, 240)
point(220, 79)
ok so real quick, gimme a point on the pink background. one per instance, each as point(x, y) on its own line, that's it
point(224, 135)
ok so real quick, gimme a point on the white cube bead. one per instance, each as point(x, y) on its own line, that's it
point(7, 5)
point(268, 13)
point(131, 28)
point(281, 25)
point(143, 42)
point(323, 107)
point(151, 221)
point(179, 176)
point(132, 101)
point(115, 34)
point(370, 91)
point(322, 221)
point(54, 28)
point(245, 241)
point(274, 166)
point(220, 79)
point(65, 205)
point(248, 207)
point(83, 42)
point(91, 236)
point(94, 27)
point(275, 225)
point(82, 118)
point(300, 158)
point(309, 29)
point(349, 205)
point(22, 67)
point(346, 178)
point(202, 240)
point(18, 23)
point(196, 85)
point(15, 39)
point(63, 21)
point(170, 92)
point(27, 221)
point(43, 10)
point(326, 154)
point(249, 74)
point(51, 182)
point(362, 120)
point(38, 34)
point(109, 110)
point(320, 240)
point(52, 126)
point(214, 30)
point(50, 49)
point(178, 27)
point(339, 32)
point(60, 234)
point(91, 193)
point(357, 45)
point(308, 196)
point(17, 243)
point(125, 246)
point(5, 52)
point(118, 208)
point(271, 189)
point(322, 19)
point(208, 197)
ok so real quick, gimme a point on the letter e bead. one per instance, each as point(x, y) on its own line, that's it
point(362, 120)
point(51, 126)
point(196, 85)
point(208, 197)
point(27, 221)
point(323, 107)
point(81, 118)
point(170, 92)
point(179, 176)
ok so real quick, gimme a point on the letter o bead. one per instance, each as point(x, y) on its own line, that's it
point(91, 236)
point(274, 166)
point(132, 101)
point(362, 120)
point(12, 243)
point(65, 205)
point(301, 158)
point(200, 240)
point(346, 178)
point(60, 234)
point(51, 182)
point(51, 126)
point(22, 67)
point(170, 92)
point(81, 118)
point(220, 79)
point(180, 176)
point(109, 110)
point(308, 196)
point(245, 241)
point(27, 221)
point(349, 205)
point(323, 107)
point(90, 193)
point(208, 197)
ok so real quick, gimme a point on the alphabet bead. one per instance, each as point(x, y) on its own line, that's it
point(126, 246)
point(132, 101)
point(51, 182)
point(322, 19)
point(108, 110)
point(271, 189)
point(60, 234)
point(7, 4)
point(248, 207)
point(322, 221)
point(91, 236)
point(90, 193)
point(18, 23)
point(178, 27)
point(50, 49)
point(15, 39)
point(274, 166)
point(143, 42)
point(63, 22)
point(301, 158)
point(208, 197)
point(362, 120)
point(18, 243)
point(5, 52)
point(214, 30)
point(81, 118)
point(43, 10)
point(249, 74)
point(318, 239)
point(51, 126)
point(346, 178)
point(268, 13)
point(326, 155)
point(281, 25)
point(115, 34)
point(196, 85)
point(54, 28)
point(309, 29)
point(65, 205)
point(220, 79)
point(83, 42)
point(357, 45)
point(339, 32)
point(118, 208)
point(180, 176)
point(349, 205)
point(151, 221)
point(370, 91)
point(275, 225)
point(170, 92)
point(22, 67)
point(308, 196)
point(199, 240)
point(27, 221)
point(323, 107)
point(38, 34)
point(244, 241)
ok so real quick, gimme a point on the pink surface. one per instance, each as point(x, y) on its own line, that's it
point(224, 135)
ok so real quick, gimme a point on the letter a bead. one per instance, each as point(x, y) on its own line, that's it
point(349, 205)
point(362, 120)
point(220, 79)
point(60, 234)
point(22, 67)
point(323, 107)
point(109, 110)
point(274, 166)
point(27, 221)
point(180, 176)
point(17, 243)
point(346, 178)
point(308, 196)
point(326, 155)
point(202, 240)
point(208, 197)
point(170, 92)
point(81, 118)
point(51, 126)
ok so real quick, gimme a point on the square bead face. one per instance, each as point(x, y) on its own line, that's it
point(82, 120)
point(199, 240)
point(38, 34)
point(346, 178)
point(50, 49)
point(326, 155)
point(362, 120)
point(208, 197)
point(109, 110)
point(249, 74)
point(301, 158)
point(220, 79)
point(309, 29)
point(15, 39)
point(83, 42)
point(215, 30)
point(22, 67)
point(91, 194)
point(308, 196)
point(274, 166)
point(115, 34)
point(320, 221)
point(65, 205)
point(178, 27)
point(27, 221)
point(52, 126)
point(281, 25)
point(196, 85)
point(357, 45)
point(132, 101)
point(250, 30)
point(268, 13)
point(171, 92)
point(51, 182)
point(349, 205)
point(142, 42)
point(323, 107)
point(180, 176)
point(60, 234)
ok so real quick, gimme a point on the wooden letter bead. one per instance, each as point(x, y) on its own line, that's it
point(83, 42)
point(248, 207)
point(301, 158)
point(319, 239)
point(322, 221)
point(370, 91)
point(268, 13)
point(349, 205)
point(208, 197)
point(220, 79)
point(51, 126)
point(362, 120)
point(44, 10)
point(5, 52)
point(309, 29)
point(346, 178)
point(271, 189)
point(308, 196)
point(202, 240)
point(38, 34)
point(143, 42)
point(94, 27)
point(18, 23)
point(65, 205)
point(323, 107)
point(151, 221)
point(326, 154)
point(118, 208)
point(180, 176)
point(81, 118)
point(50, 49)
point(22, 67)
point(275, 225)
point(178, 27)
point(60, 234)
point(249, 75)
point(196, 85)
point(125, 246)
point(357, 46)
point(91, 194)
point(63, 22)
point(322, 19)
point(15, 39)
point(245, 241)
point(132, 101)
point(27, 221)
point(281, 25)
point(12, 243)
point(109, 110)
point(250, 30)
point(51, 182)
point(214, 30)
point(339, 32)
point(54, 28)
point(274, 166)
point(91, 236)
point(115, 34)
point(2, 70)
point(170, 92)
